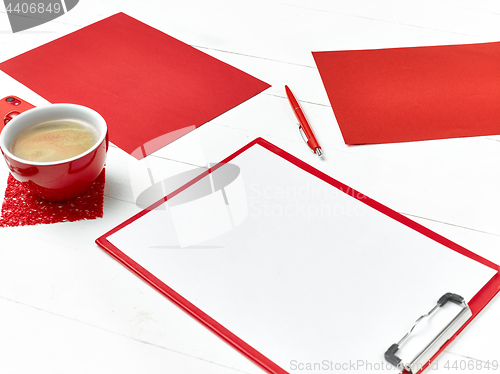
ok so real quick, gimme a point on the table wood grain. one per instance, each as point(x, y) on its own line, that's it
point(68, 307)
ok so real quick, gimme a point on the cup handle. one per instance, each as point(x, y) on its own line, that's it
point(11, 106)
point(10, 116)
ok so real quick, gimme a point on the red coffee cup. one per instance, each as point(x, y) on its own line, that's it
point(59, 180)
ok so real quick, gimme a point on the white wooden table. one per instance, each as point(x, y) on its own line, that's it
point(68, 307)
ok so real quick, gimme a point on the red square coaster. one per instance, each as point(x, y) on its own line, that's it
point(21, 208)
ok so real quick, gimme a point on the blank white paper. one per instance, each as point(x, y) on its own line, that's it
point(311, 277)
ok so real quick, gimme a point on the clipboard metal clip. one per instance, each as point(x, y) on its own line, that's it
point(437, 342)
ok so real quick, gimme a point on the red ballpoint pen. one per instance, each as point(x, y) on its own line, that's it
point(304, 127)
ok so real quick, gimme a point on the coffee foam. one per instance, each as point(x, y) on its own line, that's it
point(54, 140)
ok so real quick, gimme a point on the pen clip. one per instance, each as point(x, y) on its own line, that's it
point(304, 137)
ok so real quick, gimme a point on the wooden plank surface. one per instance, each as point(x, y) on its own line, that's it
point(67, 307)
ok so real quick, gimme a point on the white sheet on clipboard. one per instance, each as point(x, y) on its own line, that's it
point(309, 276)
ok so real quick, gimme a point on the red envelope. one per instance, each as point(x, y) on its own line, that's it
point(150, 87)
point(408, 94)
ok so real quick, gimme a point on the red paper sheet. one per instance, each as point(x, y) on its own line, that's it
point(409, 94)
point(149, 87)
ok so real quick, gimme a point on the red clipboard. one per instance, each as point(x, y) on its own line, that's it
point(478, 301)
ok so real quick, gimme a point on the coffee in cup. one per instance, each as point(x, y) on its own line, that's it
point(54, 140)
point(56, 151)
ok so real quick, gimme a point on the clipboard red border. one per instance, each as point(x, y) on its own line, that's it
point(476, 304)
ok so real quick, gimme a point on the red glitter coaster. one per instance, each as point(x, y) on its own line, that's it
point(21, 208)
